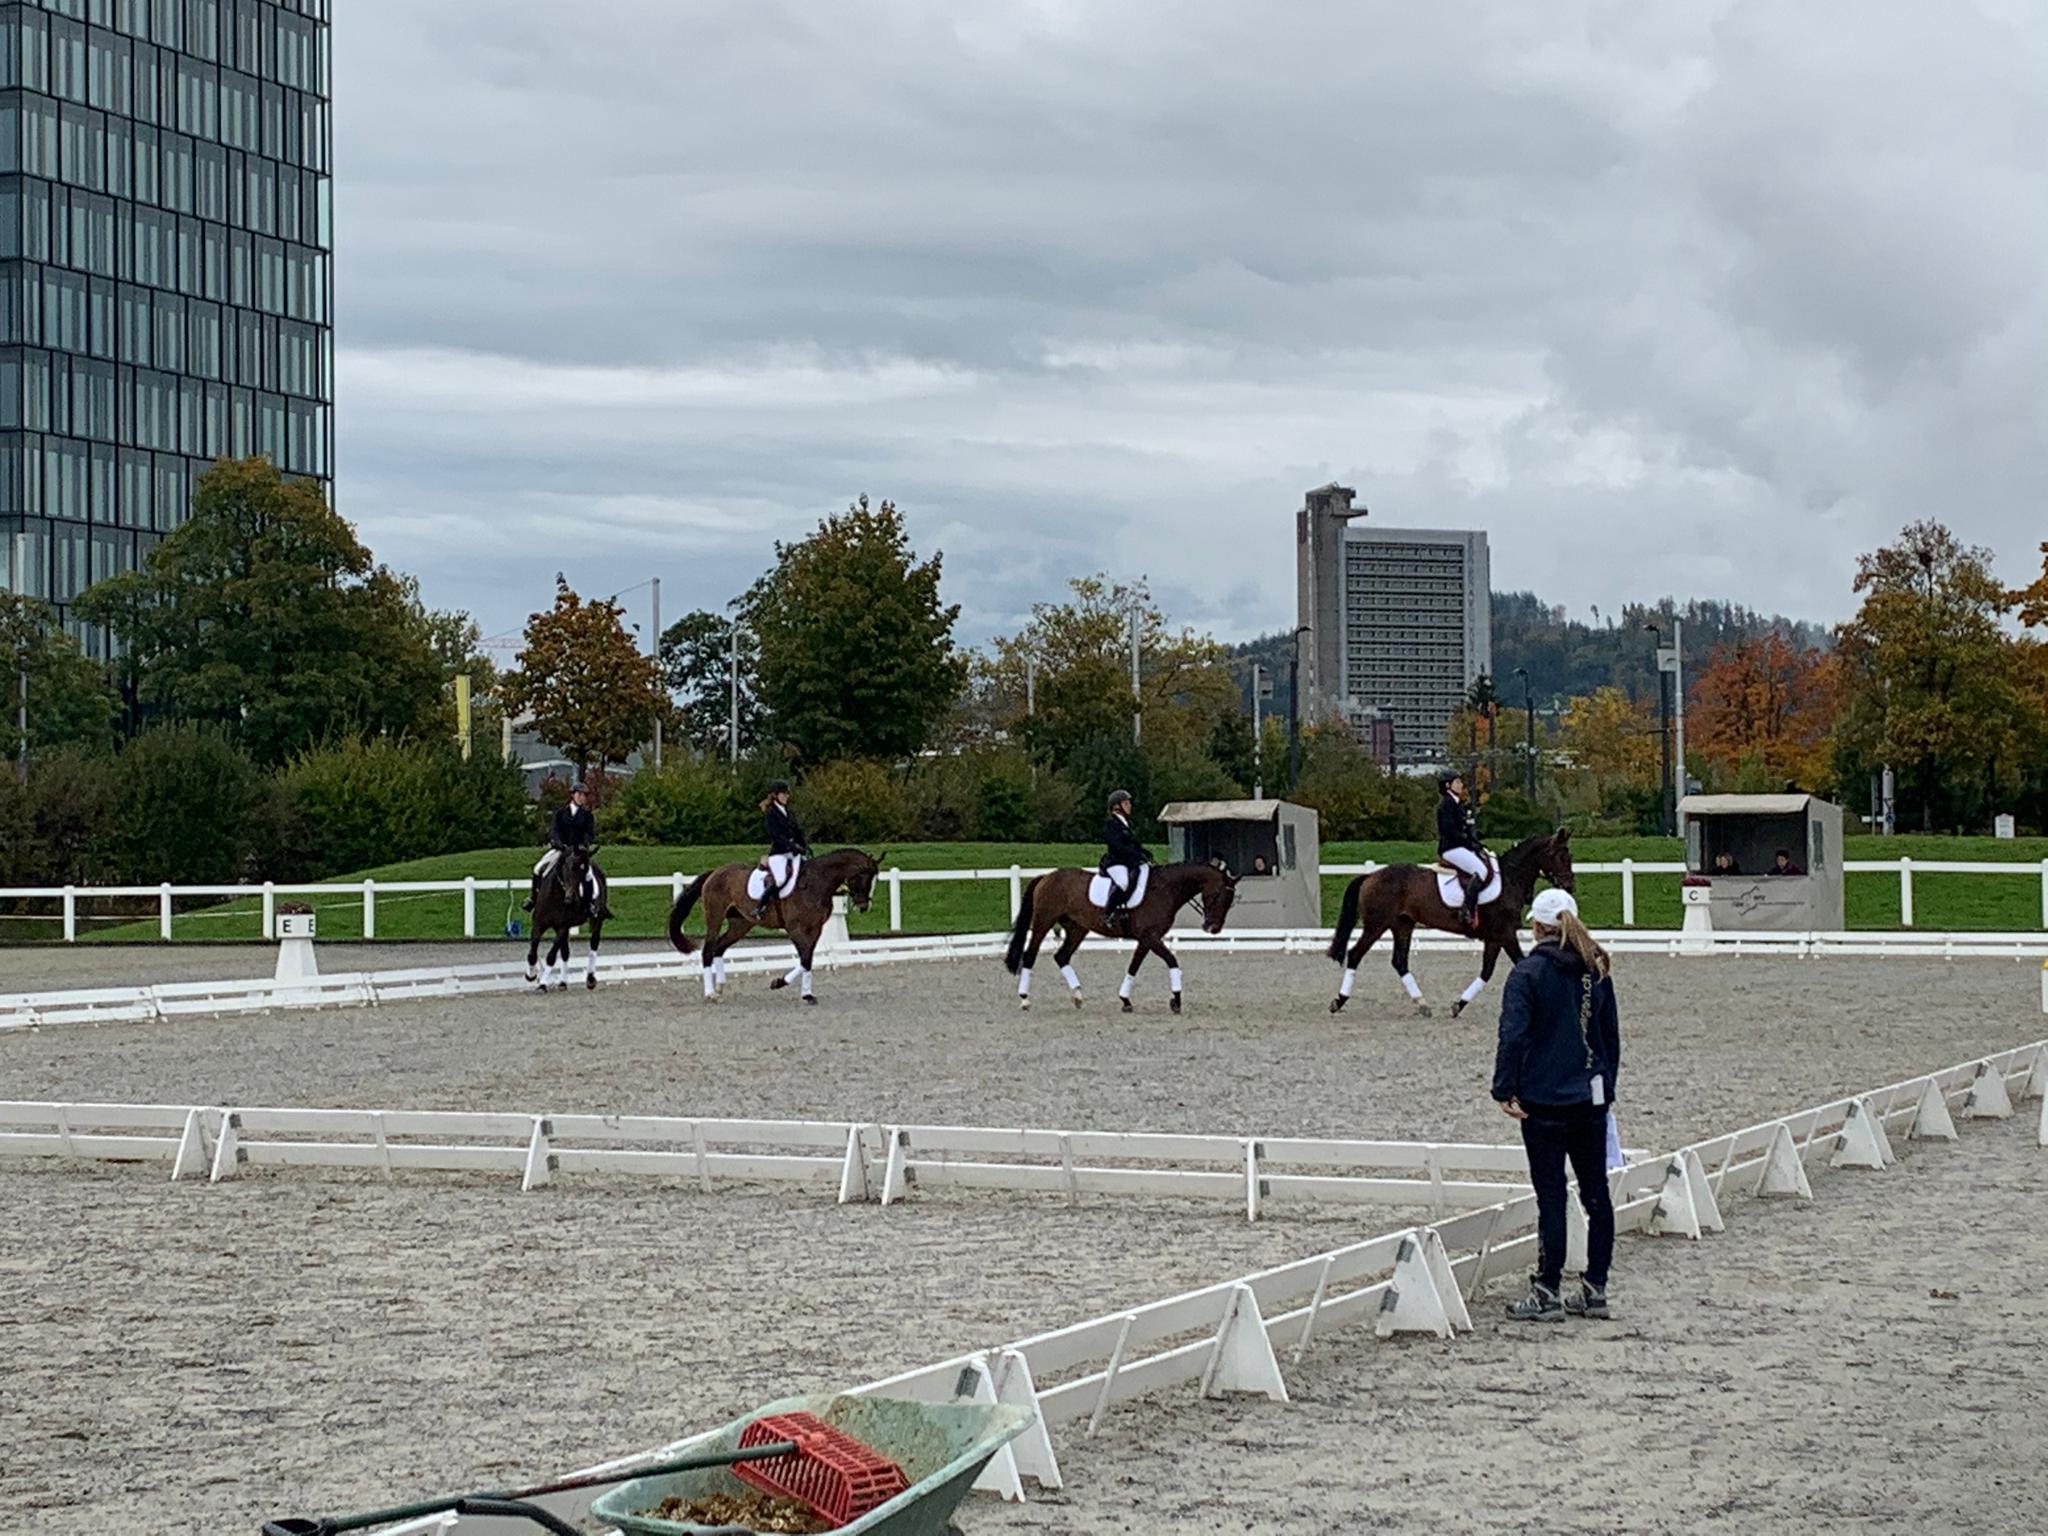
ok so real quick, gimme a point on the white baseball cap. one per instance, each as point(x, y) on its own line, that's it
point(1551, 905)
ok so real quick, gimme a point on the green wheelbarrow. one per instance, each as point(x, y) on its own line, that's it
point(941, 1448)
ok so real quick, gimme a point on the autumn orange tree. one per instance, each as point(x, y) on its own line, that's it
point(1929, 676)
point(1765, 706)
point(590, 689)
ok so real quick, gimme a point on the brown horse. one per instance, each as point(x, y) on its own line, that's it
point(1403, 896)
point(802, 915)
point(1061, 896)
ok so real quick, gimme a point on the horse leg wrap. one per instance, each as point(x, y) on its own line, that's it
point(590, 963)
point(711, 979)
point(797, 974)
point(1024, 982)
point(1350, 980)
point(718, 971)
point(1173, 977)
point(1478, 986)
point(1071, 977)
point(1125, 989)
point(1413, 987)
point(807, 983)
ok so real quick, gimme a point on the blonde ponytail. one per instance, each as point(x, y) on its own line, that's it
point(1569, 930)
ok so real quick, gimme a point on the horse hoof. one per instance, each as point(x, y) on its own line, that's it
point(561, 986)
point(1127, 1006)
point(1077, 999)
point(810, 1001)
point(590, 983)
point(1175, 1004)
point(533, 975)
point(1337, 1004)
point(1458, 1007)
point(1424, 1011)
point(777, 984)
point(1023, 1005)
point(542, 989)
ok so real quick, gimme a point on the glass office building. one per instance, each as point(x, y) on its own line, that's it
point(166, 240)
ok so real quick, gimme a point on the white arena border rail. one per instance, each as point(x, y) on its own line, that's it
point(862, 1160)
point(1222, 1339)
point(170, 1000)
point(366, 893)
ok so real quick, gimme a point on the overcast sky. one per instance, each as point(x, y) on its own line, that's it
point(1693, 297)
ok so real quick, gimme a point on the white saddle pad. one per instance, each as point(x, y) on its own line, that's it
point(1098, 888)
point(1451, 887)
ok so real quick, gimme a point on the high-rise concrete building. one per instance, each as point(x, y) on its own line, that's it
point(1399, 621)
point(166, 240)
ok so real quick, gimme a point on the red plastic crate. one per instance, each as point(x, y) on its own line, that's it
point(834, 1474)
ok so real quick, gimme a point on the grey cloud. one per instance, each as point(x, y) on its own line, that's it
point(1702, 297)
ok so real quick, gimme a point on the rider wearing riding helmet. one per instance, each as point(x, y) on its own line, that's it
point(572, 827)
point(1123, 858)
point(1457, 842)
point(786, 846)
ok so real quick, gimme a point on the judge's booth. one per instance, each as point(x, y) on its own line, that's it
point(1733, 842)
point(1272, 847)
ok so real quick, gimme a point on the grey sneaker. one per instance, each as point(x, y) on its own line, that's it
point(1588, 1301)
point(1541, 1305)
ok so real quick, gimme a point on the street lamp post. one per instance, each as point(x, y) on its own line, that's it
point(733, 678)
point(1529, 723)
point(653, 583)
point(1667, 809)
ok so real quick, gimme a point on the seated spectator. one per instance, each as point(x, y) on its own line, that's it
point(1781, 864)
point(1724, 864)
point(1260, 866)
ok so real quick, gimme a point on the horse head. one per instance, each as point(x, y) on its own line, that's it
point(1554, 859)
point(574, 870)
point(860, 884)
point(1219, 890)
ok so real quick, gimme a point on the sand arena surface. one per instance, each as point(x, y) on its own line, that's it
point(299, 1341)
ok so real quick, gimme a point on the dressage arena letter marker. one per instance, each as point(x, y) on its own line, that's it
point(1931, 1120)
point(1783, 1172)
point(1423, 1296)
point(1242, 1359)
point(1863, 1143)
point(1988, 1099)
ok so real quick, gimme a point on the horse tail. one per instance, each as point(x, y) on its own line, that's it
point(1020, 931)
point(680, 911)
point(1347, 916)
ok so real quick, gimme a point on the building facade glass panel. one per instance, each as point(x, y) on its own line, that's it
point(166, 258)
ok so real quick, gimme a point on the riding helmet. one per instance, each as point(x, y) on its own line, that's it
point(778, 787)
point(1119, 797)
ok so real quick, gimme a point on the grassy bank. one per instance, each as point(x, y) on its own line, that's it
point(1960, 902)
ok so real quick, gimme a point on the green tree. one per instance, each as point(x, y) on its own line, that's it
point(590, 689)
point(697, 653)
point(1929, 676)
point(69, 700)
point(192, 808)
point(1079, 653)
point(265, 614)
point(857, 654)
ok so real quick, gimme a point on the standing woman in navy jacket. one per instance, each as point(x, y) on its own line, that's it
point(1560, 1049)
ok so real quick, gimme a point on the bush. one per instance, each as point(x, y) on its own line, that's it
point(1191, 776)
point(690, 801)
point(1057, 813)
point(853, 801)
point(1353, 797)
point(363, 804)
point(1109, 763)
point(1508, 816)
point(191, 808)
point(59, 828)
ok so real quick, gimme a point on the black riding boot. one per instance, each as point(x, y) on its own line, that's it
point(1471, 909)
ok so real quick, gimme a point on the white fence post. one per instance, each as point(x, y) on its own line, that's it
point(163, 909)
point(1905, 893)
point(70, 914)
point(1016, 890)
point(1628, 893)
point(369, 909)
point(896, 898)
point(269, 910)
point(469, 906)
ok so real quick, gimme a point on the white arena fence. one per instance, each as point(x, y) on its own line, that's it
point(860, 1160)
point(173, 1000)
point(65, 902)
point(1230, 1337)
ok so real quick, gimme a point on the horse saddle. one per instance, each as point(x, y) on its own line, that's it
point(788, 887)
point(1099, 888)
point(1450, 883)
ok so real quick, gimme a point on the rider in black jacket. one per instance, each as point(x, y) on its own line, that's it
point(786, 841)
point(1122, 860)
point(1457, 842)
point(573, 827)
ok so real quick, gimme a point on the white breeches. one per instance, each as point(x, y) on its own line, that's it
point(1464, 859)
point(782, 868)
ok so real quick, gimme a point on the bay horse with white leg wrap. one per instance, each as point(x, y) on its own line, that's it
point(1061, 897)
point(1403, 897)
point(802, 914)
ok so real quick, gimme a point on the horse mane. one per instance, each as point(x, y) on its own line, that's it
point(1520, 860)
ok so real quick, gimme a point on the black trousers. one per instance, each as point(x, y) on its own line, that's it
point(1553, 1135)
